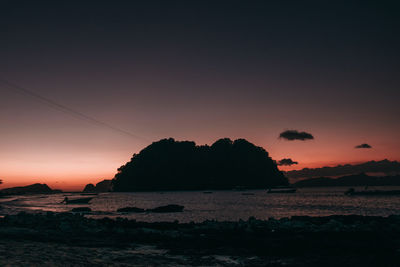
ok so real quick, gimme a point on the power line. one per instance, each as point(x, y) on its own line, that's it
point(65, 109)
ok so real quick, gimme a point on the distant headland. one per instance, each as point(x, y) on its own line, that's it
point(383, 168)
point(183, 165)
point(350, 180)
point(29, 189)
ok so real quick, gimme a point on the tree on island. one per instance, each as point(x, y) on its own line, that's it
point(181, 165)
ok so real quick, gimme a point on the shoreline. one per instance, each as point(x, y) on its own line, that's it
point(295, 241)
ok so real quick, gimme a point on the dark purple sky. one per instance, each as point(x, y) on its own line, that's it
point(194, 70)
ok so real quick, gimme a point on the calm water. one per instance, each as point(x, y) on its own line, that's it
point(218, 205)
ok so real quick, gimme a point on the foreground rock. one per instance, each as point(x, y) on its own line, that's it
point(296, 241)
point(299, 241)
point(167, 208)
point(81, 209)
point(131, 209)
point(30, 189)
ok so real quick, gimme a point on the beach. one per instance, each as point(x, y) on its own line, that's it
point(66, 239)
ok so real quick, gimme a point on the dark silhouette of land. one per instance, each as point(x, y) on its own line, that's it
point(384, 166)
point(182, 165)
point(29, 189)
point(350, 180)
point(100, 187)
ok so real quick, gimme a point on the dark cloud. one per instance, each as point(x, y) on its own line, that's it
point(384, 166)
point(363, 146)
point(286, 162)
point(295, 135)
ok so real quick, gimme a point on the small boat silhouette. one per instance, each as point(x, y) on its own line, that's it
point(77, 200)
point(281, 189)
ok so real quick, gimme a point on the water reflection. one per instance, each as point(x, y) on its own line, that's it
point(219, 205)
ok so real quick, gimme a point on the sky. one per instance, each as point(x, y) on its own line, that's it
point(193, 70)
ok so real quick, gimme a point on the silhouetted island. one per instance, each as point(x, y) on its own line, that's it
point(350, 180)
point(103, 186)
point(182, 165)
point(29, 189)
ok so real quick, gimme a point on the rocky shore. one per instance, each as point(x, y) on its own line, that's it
point(297, 241)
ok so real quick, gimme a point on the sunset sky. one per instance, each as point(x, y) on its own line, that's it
point(193, 70)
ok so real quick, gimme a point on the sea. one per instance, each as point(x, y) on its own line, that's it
point(200, 206)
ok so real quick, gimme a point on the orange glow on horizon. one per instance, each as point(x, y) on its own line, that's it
point(70, 168)
point(75, 181)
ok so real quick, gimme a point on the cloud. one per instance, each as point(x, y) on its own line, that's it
point(286, 162)
point(363, 146)
point(296, 135)
point(384, 166)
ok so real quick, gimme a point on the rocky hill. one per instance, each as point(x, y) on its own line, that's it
point(182, 165)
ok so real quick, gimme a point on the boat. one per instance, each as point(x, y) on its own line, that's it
point(353, 192)
point(282, 190)
point(77, 200)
